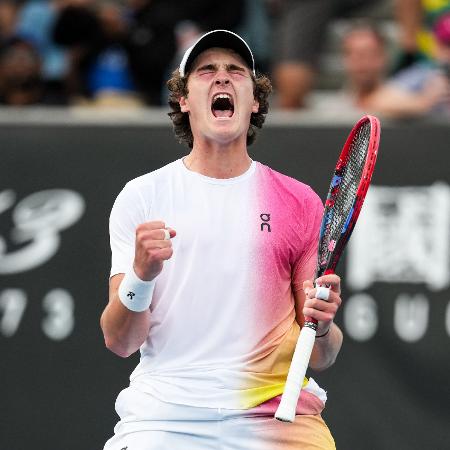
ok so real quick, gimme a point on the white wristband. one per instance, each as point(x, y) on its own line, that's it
point(135, 293)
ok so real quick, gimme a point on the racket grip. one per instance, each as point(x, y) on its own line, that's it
point(300, 361)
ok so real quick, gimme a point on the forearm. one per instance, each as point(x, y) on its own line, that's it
point(124, 330)
point(409, 17)
point(126, 320)
point(396, 103)
point(326, 349)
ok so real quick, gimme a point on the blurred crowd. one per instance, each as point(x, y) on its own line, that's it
point(119, 53)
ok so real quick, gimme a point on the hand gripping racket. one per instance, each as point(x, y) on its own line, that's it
point(345, 197)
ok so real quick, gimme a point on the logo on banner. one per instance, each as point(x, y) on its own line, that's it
point(402, 236)
point(38, 220)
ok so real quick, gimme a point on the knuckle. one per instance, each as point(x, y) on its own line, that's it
point(163, 244)
point(156, 224)
point(153, 235)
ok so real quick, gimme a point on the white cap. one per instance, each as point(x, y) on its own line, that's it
point(220, 39)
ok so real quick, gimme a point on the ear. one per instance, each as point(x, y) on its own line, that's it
point(255, 107)
point(184, 104)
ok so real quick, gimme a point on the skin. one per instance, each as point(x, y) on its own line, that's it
point(294, 80)
point(219, 151)
point(365, 63)
point(409, 15)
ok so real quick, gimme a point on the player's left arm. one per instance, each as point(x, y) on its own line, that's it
point(329, 336)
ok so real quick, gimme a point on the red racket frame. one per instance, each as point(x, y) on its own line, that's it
point(366, 176)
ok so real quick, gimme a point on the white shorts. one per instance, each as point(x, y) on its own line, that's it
point(150, 424)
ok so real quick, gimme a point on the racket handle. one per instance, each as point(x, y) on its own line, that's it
point(299, 364)
point(300, 360)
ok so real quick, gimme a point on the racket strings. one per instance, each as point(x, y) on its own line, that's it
point(342, 199)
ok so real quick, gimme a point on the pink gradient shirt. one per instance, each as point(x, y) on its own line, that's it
point(223, 326)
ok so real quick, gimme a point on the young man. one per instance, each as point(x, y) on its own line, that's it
point(419, 90)
point(216, 306)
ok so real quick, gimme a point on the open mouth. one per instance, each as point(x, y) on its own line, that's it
point(222, 105)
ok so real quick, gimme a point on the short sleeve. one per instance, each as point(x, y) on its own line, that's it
point(127, 213)
point(305, 266)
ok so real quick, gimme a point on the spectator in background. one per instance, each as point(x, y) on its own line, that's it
point(8, 17)
point(415, 22)
point(365, 66)
point(424, 87)
point(95, 36)
point(35, 22)
point(299, 37)
point(162, 29)
point(417, 91)
point(134, 50)
point(365, 61)
point(21, 82)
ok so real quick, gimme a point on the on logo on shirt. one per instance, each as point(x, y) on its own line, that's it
point(265, 221)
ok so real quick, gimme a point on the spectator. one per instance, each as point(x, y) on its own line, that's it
point(365, 66)
point(417, 91)
point(99, 63)
point(8, 17)
point(162, 29)
point(416, 38)
point(139, 45)
point(299, 38)
point(20, 75)
point(35, 22)
point(424, 87)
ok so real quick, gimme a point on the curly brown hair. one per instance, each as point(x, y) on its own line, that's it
point(262, 87)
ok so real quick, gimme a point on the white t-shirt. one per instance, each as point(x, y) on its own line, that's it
point(223, 325)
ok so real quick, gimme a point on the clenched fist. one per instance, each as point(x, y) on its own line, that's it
point(152, 248)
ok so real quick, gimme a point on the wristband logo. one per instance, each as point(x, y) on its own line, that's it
point(37, 221)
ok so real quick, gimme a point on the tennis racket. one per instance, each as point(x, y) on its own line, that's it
point(345, 198)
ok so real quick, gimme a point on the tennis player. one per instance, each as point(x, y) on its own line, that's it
point(212, 263)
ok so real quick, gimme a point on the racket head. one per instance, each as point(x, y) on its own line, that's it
point(348, 189)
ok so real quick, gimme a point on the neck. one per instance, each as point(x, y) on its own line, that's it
point(218, 161)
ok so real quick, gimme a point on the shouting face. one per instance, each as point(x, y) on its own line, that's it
point(220, 97)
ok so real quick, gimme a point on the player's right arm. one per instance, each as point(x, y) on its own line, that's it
point(125, 330)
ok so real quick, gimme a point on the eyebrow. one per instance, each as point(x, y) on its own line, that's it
point(235, 67)
point(214, 67)
point(207, 67)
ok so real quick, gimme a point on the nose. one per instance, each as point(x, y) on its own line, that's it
point(222, 80)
